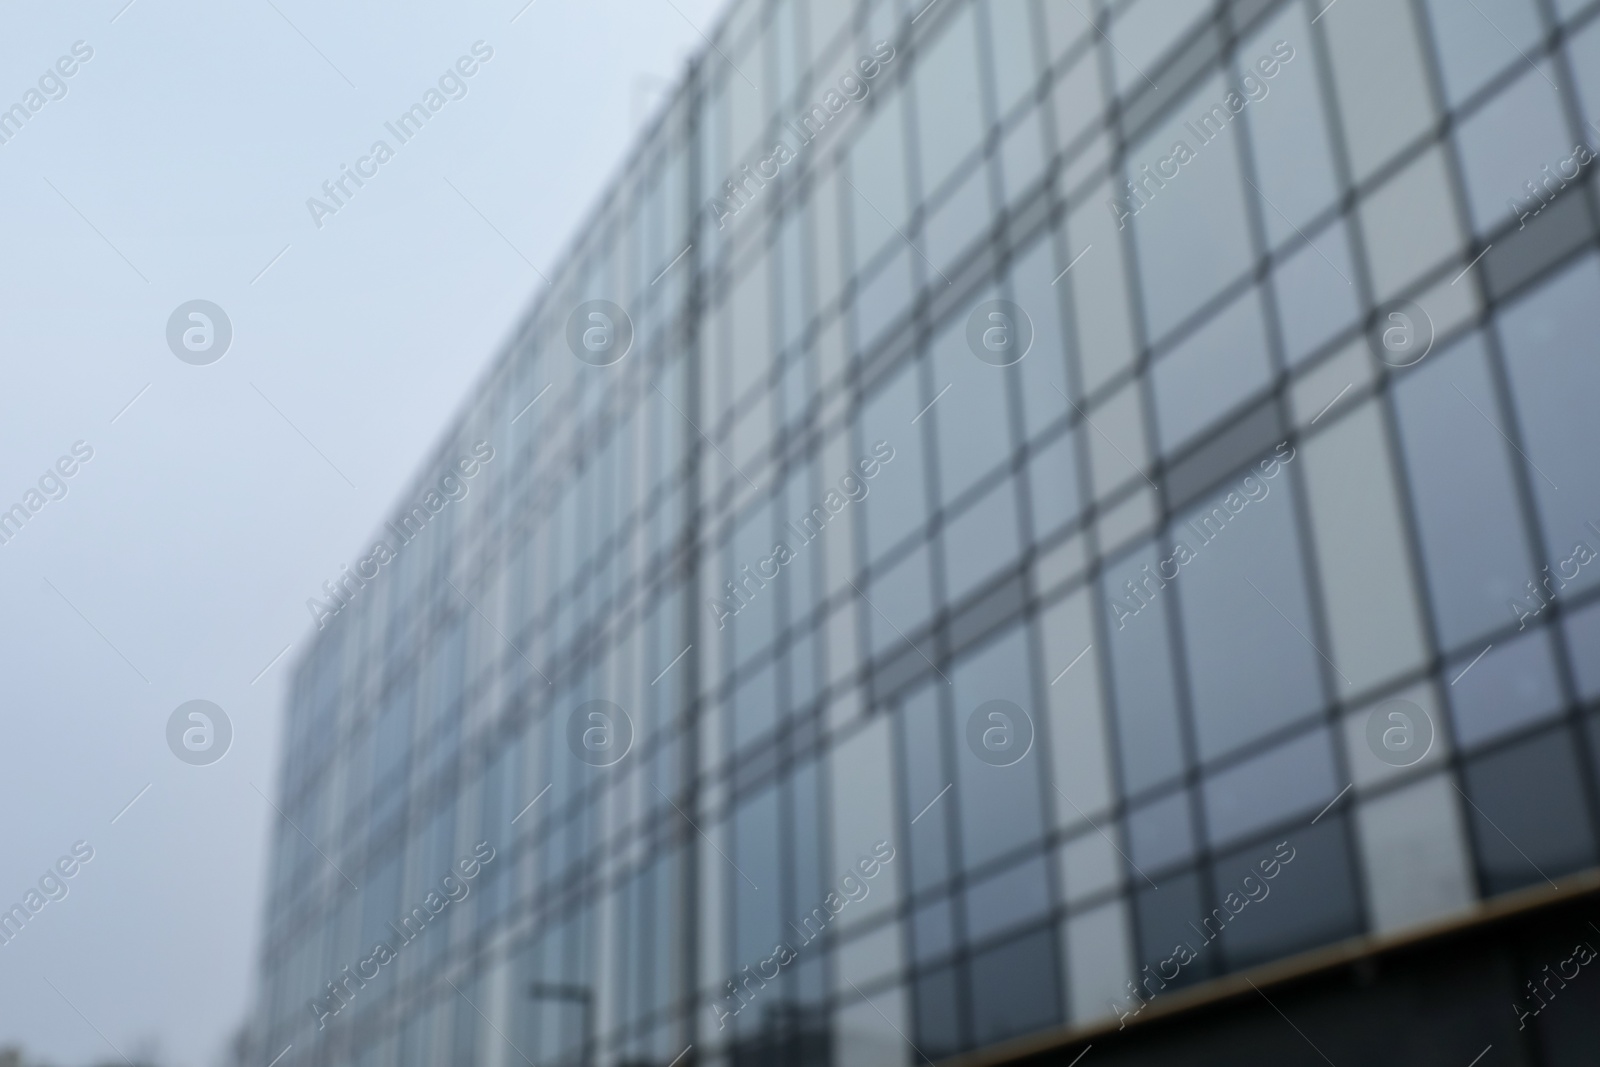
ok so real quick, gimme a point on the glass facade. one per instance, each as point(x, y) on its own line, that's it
point(1274, 544)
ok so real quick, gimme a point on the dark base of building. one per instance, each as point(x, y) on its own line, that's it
point(1515, 983)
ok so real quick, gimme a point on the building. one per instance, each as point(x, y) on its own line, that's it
point(1032, 516)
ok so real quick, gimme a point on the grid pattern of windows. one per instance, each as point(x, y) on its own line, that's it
point(1202, 536)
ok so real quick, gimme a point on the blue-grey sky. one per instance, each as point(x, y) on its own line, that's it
point(176, 167)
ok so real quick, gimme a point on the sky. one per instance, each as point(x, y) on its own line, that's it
point(211, 491)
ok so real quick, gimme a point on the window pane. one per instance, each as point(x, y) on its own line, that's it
point(1246, 615)
point(1529, 794)
point(756, 838)
point(1141, 669)
point(902, 600)
point(1014, 898)
point(960, 220)
point(1011, 36)
point(920, 731)
point(1512, 685)
point(878, 172)
point(1214, 369)
point(1250, 796)
point(1475, 554)
point(1161, 832)
point(1192, 233)
point(1583, 639)
point(949, 115)
point(973, 418)
point(981, 540)
point(1549, 347)
point(1478, 40)
point(932, 935)
point(938, 1015)
point(1165, 920)
point(1053, 485)
point(1315, 297)
point(1015, 990)
point(1312, 901)
point(1044, 370)
point(1291, 148)
point(897, 504)
point(1148, 29)
point(1000, 806)
point(1506, 143)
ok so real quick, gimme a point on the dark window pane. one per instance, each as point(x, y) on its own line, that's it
point(938, 1017)
point(1529, 814)
point(1312, 900)
point(1015, 989)
point(1168, 918)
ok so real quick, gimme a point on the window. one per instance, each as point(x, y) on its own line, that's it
point(1148, 733)
point(949, 101)
point(1519, 136)
point(981, 540)
point(1518, 792)
point(1474, 45)
point(898, 502)
point(972, 419)
point(1290, 148)
point(1246, 614)
point(1316, 297)
point(1015, 988)
point(1476, 557)
point(1512, 685)
point(1549, 338)
point(1000, 806)
point(1192, 232)
point(1211, 371)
